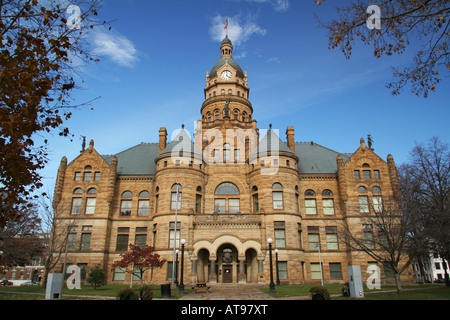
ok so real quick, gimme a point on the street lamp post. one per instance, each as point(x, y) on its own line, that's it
point(271, 285)
point(320, 265)
point(181, 285)
point(176, 268)
point(276, 265)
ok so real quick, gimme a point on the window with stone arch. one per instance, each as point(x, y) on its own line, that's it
point(176, 197)
point(277, 195)
point(310, 202)
point(327, 202)
point(144, 203)
point(91, 201)
point(126, 203)
point(227, 198)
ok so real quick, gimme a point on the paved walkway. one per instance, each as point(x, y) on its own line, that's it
point(230, 291)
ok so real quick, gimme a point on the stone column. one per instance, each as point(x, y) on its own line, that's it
point(242, 278)
point(212, 272)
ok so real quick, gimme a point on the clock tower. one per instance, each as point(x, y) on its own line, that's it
point(226, 104)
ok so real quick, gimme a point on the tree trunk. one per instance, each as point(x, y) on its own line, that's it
point(398, 282)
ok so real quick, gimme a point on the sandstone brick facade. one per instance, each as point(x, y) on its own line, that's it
point(236, 191)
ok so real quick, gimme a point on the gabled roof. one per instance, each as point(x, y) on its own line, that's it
point(182, 142)
point(315, 158)
point(138, 160)
point(271, 142)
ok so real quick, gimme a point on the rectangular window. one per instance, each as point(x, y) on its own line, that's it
point(255, 203)
point(328, 206)
point(97, 176)
point(277, 197)
point(219, 206)
point(198, 203)
point(216, 154)
point(314, 241)
point(335, 271)
point(226, 154)
point(144, 206)
point(169, 270)
point(234, 206)
point(236, 155)
point(368, 236)
point(172, 238)
point(172, 235)
point(366, 174)
point(90, 205)
point(332, 241)
point(71, 242)
point(76, 205)
point(87, 176)
point(315, 271)
point(85, 242)
point(141, 240)
point(125, 207)
point(280, 238)
point(176, 203)
point(357, 176)
point(376, 174)
point(310, 206)
point(282, 270)
point(119, 274)
point(377, 204)
point(122, 242)
point(363, 204)
point(77, 176)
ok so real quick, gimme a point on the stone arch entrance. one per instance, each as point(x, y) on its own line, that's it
point(228, 260)
point(227, 263)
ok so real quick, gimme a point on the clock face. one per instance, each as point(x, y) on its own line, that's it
point(226, 75)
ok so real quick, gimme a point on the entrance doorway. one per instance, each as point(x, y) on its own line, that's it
point(227, 273)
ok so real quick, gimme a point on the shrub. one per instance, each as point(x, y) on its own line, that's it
point(345, 290)
point(145, 292)
point(319, 293)
point(127, 294)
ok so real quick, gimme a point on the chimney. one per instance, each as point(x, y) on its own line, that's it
point(162, 139)
point(290, 138)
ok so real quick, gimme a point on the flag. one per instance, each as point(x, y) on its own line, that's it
point(226, 24)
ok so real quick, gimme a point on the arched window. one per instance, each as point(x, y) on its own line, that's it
point(377, 199)
point(277, 196)
point(144, 203)
point(255, 199)
point(376, 189)
point(198, 199)
point(91, 201)
point(217, 114)
point(236, 114)
point(363, 200)
point(227, 188)
point(310, 202)
point(327, 202)
point(156, 199)
point(362, 189)
point(77, 201)
point(228, 201)
point(126, 203)
point(366, 165)
point(176, 197)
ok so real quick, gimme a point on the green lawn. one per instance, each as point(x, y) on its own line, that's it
point(38, 292)
point(411, 292)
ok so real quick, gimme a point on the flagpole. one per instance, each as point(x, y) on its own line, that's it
point(226, 26)
point(175, 239)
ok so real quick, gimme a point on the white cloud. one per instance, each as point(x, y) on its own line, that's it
point(115, 46)
point(278, 5)
point(238, 32)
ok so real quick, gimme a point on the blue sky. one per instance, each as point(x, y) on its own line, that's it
point(155, 58)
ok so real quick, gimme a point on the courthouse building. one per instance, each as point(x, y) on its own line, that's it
point(226, 189)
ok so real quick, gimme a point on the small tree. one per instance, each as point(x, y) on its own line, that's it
point(96, 277)
point(139, 260)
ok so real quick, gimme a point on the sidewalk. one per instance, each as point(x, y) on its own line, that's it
point(230, 291)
